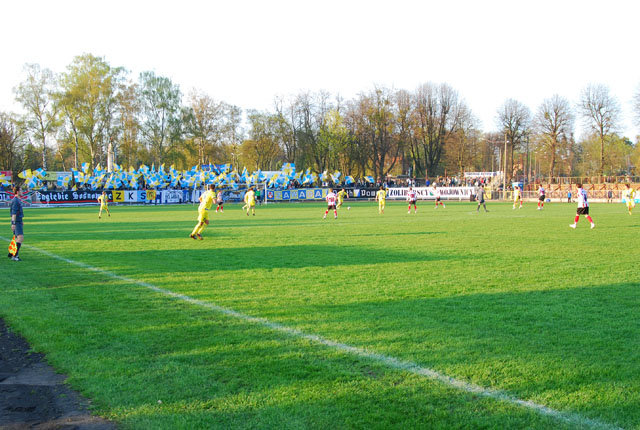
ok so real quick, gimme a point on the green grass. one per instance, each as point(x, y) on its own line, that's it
point(509, 300)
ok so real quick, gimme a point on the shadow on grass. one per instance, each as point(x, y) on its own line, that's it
point(577, 337)
point(247, 258)
point(574, 348)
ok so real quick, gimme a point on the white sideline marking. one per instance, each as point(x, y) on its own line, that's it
point(389, 361)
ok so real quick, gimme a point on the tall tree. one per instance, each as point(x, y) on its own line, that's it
point(404, 126)
point(35, 94)
point(287, 130)
point(439, 112)
point(232, 132)
point(601, 112)
point(10, 142)
point(514, 119)
point(379, 120)
point(161, 112)
point(206, 122)
point(310, 117)
point(261, 150)
point(553, 124)
point(128, 124)
point(461, 147)
point(88, 98)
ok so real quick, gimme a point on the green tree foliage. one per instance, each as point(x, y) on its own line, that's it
point(618, 152)
point(161, 122)
point(553, 126)
point(262, 150)
point(380, 132)
point(514, 120)
point(36, 95)
point(88, 100)
point(11, 143)
point(438, 113)
point(600, 112)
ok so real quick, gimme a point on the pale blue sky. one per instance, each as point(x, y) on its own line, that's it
point(247, 52)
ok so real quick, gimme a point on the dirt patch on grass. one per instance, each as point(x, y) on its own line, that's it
point(33, 395)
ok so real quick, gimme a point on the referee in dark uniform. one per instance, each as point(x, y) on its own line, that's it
point(16, 220)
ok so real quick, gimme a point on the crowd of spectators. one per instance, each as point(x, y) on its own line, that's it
point(389, 182)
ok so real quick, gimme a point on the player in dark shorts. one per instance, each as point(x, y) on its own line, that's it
point(16, 222)
point(583, 207)
point(541, 197)
point(480, 198)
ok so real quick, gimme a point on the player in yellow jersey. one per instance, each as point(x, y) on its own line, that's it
point(341, 195)
point(104, 204)
point(381, 197)
point(206, 200)
point(517, 196)
point(250, 201)
point(629, 195)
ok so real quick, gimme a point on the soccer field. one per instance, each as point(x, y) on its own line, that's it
point(443, 319)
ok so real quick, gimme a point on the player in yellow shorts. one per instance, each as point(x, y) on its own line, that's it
point(381, 197)
point(250, 201)
point(629, 195)
point(104, 204)
point(517, 197)
point(341, 195)
point(206, 200)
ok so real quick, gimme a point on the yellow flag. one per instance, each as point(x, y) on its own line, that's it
point(13, 247)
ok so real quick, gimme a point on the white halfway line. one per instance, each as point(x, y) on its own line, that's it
point(392, 362)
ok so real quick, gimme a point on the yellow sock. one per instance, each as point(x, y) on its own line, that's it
point(195, 229)
point(204, 225)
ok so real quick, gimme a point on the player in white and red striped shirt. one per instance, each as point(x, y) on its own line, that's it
point(331, 204)
point(412, 198)
point(583, 207)
point(541, 196)
point(436, 192)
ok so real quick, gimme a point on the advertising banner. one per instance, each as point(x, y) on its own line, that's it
point(117, 196)
point(5, 197)
point(428, 193)
point(300, 194)
point(172, 196)
point(61, 197)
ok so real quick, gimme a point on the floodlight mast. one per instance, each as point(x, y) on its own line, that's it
point(504, 171)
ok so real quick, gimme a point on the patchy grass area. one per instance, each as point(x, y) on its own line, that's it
point(508, 300)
